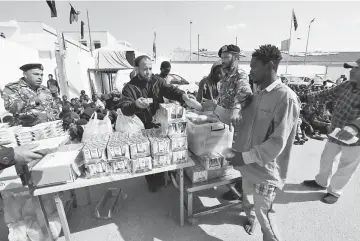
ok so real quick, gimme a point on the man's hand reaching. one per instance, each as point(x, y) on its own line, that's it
point(191, 102)
point(23, 154)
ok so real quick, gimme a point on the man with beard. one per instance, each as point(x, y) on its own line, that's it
point(134, 101)
point(234, 89)
point(262, 151)
point(27, 99)
point(234, 93)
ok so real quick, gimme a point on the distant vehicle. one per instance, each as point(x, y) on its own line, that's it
point(182, 84)
point(305, 79)
point(299, 81)
point(285, 78)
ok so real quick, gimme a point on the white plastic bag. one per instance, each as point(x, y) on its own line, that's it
point(35, 233)
point(12, 206)
point(95, 126)
point(131, 124)
point(17, 231)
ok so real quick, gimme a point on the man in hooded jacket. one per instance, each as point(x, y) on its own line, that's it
point(208, 86)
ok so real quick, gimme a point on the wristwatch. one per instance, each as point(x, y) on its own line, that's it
point(6, 155)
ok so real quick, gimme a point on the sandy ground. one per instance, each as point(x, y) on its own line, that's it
point(145, 216)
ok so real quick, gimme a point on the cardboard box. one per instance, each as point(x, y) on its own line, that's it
point(55, 168)
point(9, 179)
point(198, 173)
point(211, 161)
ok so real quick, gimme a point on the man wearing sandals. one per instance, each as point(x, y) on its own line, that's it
point(262, 151)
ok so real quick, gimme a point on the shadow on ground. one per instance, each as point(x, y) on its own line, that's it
point(297, 193)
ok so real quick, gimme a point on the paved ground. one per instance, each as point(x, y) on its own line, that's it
point(144, 216)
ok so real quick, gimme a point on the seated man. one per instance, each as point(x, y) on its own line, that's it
point(146, 85)
point(98, 103)
point(318, 126)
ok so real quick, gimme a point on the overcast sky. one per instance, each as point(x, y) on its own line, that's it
point(336, 28)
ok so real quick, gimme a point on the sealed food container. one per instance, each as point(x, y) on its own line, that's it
point(118, 149)
point(161, 160)
point(142, 164)
point(159, 145)
point(121, 165)
point(180, 156)
point(98, 169)
point(178, 143)
point(139, 146)
point(172, 111)
point(211, 161)
point(209, 137)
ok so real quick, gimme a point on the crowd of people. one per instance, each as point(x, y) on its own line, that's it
point(268, 115)
point(315, 118)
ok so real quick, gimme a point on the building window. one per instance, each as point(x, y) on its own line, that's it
point(83, 43)
point(97, 44)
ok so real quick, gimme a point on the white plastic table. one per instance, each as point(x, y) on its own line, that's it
point(82, 182)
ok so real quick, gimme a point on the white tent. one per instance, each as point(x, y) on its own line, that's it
point(112, 69)
point(113, 56)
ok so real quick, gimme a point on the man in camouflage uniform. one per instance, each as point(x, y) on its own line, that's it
point(234, 88)
point(234, 94)
point(27, 99)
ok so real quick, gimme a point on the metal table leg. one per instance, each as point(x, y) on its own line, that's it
point(62, 215)
point(41, 215)
point(166, 178)
point(73, 197)
point(88, 195)
point(181, 197)
point(190, 204)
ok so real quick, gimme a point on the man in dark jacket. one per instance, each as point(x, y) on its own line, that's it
point(134, 101)
point(146, 85)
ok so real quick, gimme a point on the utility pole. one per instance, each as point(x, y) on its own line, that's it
point(87, 13)
point(236, 41)
point(307, 42)
point(190, 39)
point(198, 47)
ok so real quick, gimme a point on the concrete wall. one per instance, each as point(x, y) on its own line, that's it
point(195, 72)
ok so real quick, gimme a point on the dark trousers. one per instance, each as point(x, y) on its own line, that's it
point(157, 179)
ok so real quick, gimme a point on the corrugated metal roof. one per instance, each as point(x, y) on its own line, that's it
point(325, 58)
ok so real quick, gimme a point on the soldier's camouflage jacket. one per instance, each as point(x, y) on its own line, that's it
point(21, 92)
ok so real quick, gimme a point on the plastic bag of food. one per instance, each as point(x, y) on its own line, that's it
point(130, 124)
point(96, 127)
point(17, 231)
